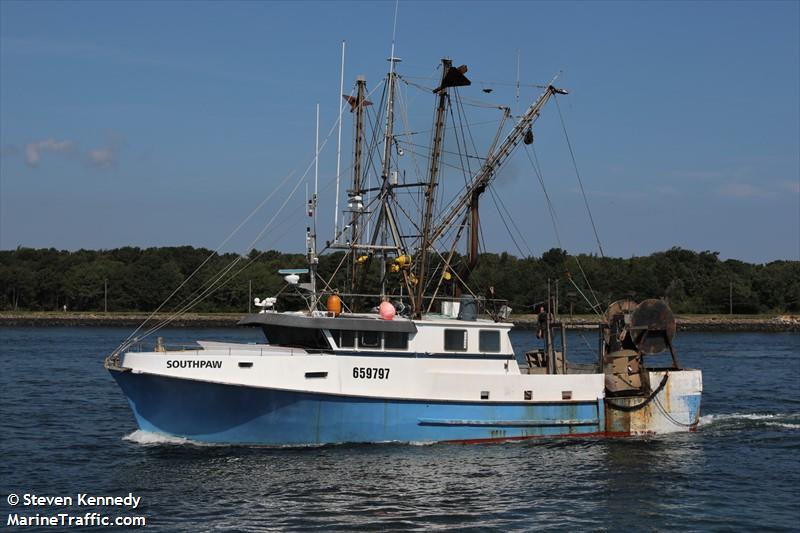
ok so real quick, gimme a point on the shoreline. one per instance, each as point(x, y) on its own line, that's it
point(705, 323)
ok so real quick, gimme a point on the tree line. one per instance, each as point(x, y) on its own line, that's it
point(137, 279)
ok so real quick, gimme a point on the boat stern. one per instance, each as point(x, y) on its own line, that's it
point(672, 406)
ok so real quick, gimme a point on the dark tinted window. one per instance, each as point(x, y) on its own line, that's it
point(346, 338)
point(296, 337)
point(489, 341)
point(455, 340)
point(370, 339)
point(395, 340)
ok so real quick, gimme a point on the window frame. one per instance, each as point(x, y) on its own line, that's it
point(338, 335)
point(400, 335)
point(481, 346)
point(378, 336)
point(465, 344)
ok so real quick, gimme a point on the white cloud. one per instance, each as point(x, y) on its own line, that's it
point(106, 156)
point(34, 151)
point(102, 157)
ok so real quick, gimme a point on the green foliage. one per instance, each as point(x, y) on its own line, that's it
point(141, 279)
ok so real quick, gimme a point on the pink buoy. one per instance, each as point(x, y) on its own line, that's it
point(386, 311)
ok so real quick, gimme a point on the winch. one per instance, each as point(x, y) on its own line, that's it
point(635, 330)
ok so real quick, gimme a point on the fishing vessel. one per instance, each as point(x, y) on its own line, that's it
point(426, 358)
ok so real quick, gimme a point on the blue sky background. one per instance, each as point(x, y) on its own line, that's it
point(158, 123)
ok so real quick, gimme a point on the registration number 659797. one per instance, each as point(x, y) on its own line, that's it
point(361, 372)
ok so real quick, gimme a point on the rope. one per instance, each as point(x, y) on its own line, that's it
point(638, 406)
point(657, 402)
point(671, 418)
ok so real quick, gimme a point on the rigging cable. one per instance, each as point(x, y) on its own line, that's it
point(577, 261)
point(207, 259)
point(578, 174)
point(218, 277)
point(218, 281)
point(499, 200)
point(404, 118)
point(554, 220)
point(461, 152)
point(464, 124)
point(484, 82)
point(540, 176)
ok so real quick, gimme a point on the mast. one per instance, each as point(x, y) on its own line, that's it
point(474, 217)
point(316, 170)
point(311, 236)
point(433, 175)
point(474, 231)
point(339, 152)
point(386, 223)
point(488, 171)
point(387, 166)
point(355, 204)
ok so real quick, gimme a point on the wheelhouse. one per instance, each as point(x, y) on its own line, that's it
point(364, 333)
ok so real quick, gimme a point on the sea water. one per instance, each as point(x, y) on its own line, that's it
point(66, 429)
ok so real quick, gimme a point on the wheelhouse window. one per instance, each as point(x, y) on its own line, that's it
point(348, 339)
point(394, 340)
point(455, 340)
point(488, 341)
point(369, 339)
point(313, 339)
point(344, 338)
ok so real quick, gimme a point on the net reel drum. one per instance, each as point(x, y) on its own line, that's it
point(633, 331)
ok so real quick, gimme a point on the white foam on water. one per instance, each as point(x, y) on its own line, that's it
point(706, 420)
point(148, 438)
point(782, 425)
point(768, 418)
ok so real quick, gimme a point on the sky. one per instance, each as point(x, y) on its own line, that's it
point(167, 123)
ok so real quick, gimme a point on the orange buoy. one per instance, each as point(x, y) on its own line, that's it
point(334, 305)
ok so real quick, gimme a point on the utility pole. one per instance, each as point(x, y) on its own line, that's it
point(555, 311)
point(105, 295)
point(730, 299)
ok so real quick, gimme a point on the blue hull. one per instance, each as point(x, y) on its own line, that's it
point(215, 413)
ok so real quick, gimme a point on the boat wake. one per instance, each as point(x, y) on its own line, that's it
point(779, 420)
point(148, 438)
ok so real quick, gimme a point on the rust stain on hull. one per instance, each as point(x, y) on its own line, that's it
point(675, 407)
